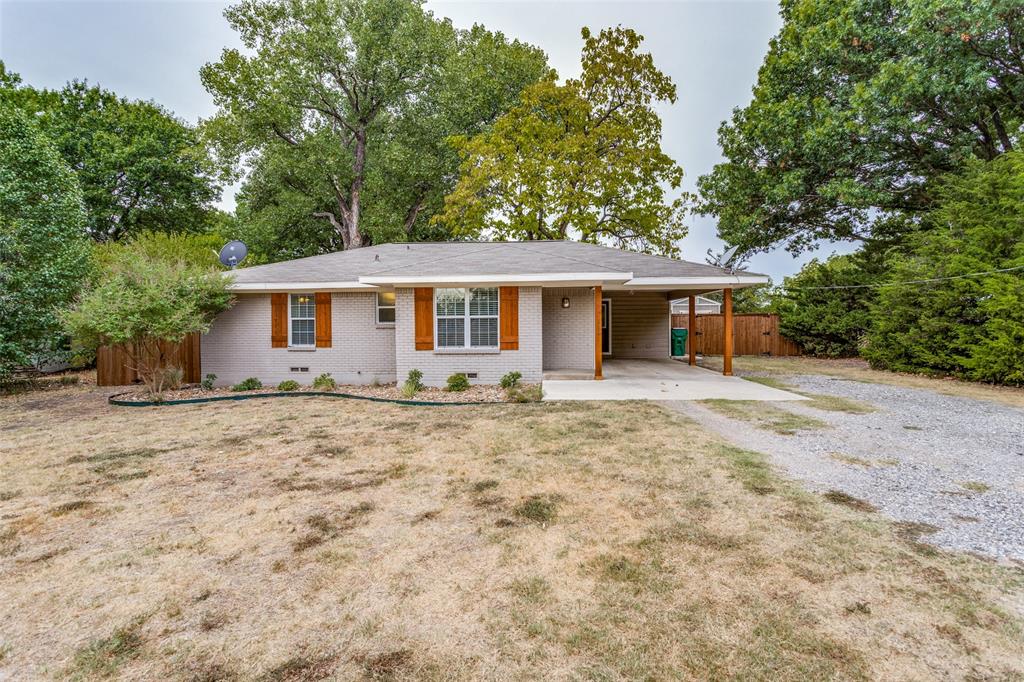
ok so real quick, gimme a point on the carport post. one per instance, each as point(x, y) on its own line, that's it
point(597, 334)
point(727, 330)
point(691, 339)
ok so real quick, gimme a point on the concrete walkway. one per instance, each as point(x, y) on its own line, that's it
point(658, 380)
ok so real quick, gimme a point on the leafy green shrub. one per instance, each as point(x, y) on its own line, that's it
point(511, 380)
point(458, 382)
point(250, 384)
point(413, 384)
point(415, 378)
point(325, 382)
point(288, 385)
point(208, 382)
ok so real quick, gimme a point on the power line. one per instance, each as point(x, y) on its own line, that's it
point(906, 282)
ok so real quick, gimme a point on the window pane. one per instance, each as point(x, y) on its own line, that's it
point(483, 331)
point(451, 302)
point(451, 332)
point(483, 302)
point(303, 305)
point(385, 315)
point(385, 298)
point(303, 332)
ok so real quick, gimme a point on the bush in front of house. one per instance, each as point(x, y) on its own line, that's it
point(325, 382)
point(511, 380)
point(208, 382)
point(413, 383)
point(288, 385)
point(458, 382)
point(250, 384)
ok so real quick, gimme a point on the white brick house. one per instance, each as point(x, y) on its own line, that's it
point(479, 308)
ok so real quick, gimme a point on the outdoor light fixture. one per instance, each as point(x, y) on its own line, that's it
point(565, 302)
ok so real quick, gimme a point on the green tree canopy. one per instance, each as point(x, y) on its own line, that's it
point(342, 111)
point(968, 325)
point(819, 312)
point(44, 254)
point(579, 160)
point(140, 168)
point(140, 301)
point(859, 107)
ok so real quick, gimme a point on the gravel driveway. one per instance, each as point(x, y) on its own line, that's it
point(951, 462)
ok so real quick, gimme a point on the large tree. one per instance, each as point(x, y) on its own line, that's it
point(44, 249)
point(957, 321)
point(578, 160)
point(859, 107)
point(343, 109)
point(139, 167)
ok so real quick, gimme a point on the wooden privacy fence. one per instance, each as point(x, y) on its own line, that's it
point(113, 368)
point(753, 334)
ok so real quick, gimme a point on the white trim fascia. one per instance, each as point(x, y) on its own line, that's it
point(300, 287)
point(727, 281)
point(591, 278)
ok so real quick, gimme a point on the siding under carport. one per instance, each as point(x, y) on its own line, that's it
point(641, 324)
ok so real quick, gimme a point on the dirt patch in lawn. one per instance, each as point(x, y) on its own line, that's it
point(315, 539)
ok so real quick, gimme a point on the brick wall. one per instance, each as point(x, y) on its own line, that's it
point(641, 324)
point(569, 332)
point(490, 367)
point(238, 345)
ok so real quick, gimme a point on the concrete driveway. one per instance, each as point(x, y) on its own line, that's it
point(657, 380)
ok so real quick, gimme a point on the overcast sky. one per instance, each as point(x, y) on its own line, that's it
point(149, 49)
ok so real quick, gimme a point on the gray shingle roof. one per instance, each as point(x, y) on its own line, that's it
point(472, 258)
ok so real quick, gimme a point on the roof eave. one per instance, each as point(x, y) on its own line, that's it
point(535, 279)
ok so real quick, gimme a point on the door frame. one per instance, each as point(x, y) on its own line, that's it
point(606, 323)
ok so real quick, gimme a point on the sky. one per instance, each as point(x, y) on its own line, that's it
point(153, 49)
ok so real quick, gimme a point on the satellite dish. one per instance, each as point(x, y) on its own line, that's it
point(233, 253)
point(726, 257)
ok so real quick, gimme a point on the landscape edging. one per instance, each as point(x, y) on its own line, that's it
point(113, 400)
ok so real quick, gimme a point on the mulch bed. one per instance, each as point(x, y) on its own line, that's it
point(474, 394)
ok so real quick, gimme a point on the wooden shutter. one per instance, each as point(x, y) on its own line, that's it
point(279, 320)
point(424, 314)
point(323, 319)
point(508, 314)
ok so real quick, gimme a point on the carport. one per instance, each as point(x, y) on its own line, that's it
point(656, 379)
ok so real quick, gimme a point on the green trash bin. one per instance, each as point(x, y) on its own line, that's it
point(678, 342)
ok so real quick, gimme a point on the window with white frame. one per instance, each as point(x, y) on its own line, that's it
point(385, 307)
point(466, 318)
point(302, 320)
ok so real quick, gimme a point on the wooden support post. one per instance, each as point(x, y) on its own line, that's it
point(597, 334)
point(727, 341)
point(691, 330)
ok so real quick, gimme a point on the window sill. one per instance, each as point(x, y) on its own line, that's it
point(466, 351)
point(385, 325)
point(301, 349)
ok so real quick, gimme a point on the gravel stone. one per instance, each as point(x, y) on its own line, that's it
point(956, 463)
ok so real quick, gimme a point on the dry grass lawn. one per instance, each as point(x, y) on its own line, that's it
point(309, 539)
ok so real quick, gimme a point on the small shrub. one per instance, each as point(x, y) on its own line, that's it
point(250, 384)
point(458, 382)
point(208, 382)
point(288, 385)
point(408, 390)
point(511, 380)
point(325, 382)
point(415, 378)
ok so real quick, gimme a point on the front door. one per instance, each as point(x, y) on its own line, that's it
point(606, 326)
